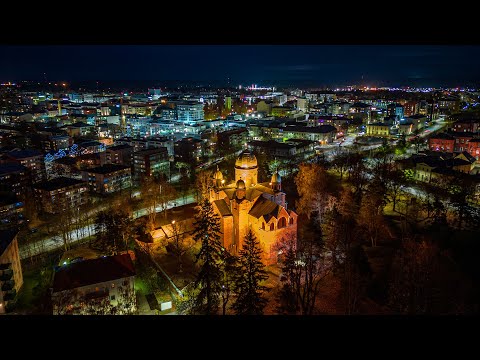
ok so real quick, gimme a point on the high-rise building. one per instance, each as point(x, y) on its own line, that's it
point(151, 162)
point(33, 160)
point(60, 194)
point(302, 104)
point(190, 112)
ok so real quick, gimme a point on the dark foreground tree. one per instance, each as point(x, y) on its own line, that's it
point(250, 294)
point(209, 278)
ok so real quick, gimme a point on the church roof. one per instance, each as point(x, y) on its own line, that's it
point(265, 208)
point(222, 207)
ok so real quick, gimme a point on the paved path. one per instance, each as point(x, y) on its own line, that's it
point(56, 242)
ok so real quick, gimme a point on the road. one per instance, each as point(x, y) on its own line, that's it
point(56, 242)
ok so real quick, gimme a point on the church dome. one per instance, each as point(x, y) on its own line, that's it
point(240, 184)
point(218, 175)
point(246, 160)
point(276, 178)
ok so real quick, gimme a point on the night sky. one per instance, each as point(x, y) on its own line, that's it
point(281, 65)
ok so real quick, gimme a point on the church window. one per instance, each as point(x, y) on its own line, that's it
point(272, 227)
point(263, 226)
point(282, 223)
point(291, 221)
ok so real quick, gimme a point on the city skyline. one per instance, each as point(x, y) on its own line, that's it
point(280, 65)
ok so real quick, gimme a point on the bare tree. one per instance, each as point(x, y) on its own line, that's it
point(203, 184)
point(180, 242)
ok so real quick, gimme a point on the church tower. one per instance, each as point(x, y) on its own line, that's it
point(246, 168)
point(276, 182)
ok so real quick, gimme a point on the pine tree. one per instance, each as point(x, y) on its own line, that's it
point(209, 278)
point(250, 294)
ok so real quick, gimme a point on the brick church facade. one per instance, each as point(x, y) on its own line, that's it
point(246, 203)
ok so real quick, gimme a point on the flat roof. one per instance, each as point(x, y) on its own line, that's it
point(22, 154)
point(107, 169)
point(57, 183)
point(11, 168)
point(93, 271)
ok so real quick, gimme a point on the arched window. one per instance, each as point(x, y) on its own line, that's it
point(291, 221)
point(272, 226)
point(263, 226)
point(282, 222)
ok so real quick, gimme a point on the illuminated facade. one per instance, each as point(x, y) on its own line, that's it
point(246, 203)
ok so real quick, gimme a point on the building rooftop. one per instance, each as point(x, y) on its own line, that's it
point(270, 144)
point(6, 238)
point(442, 136)
point(78, 124)
point(160, 150)
point(57, 183)
point(94, 271)
point(23, 154)
point(322, 129)
point(119, 147)
point(377, 124)
point(107, 169)
point(11, 168)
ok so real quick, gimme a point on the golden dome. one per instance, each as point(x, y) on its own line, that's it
point(276, 178)
point(246, 160)
point(218, 175)
point(240, 184)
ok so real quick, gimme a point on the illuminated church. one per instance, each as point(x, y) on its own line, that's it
point(246, 203)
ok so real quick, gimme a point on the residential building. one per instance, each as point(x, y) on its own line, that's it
point(78, 129)
point(108, 178)
point(281, 111)
point(473, 148)
point(324, 134)
point(11, 277)
point(232, 139)
point(265, 107)
point(14, 177)
point(471, 125)
point(119, 154)
point(188, 149)
point(288, 149)
point(378, 129)
point(190, 112)
point(102, 286)
point(302, 104)
point(151, 162)
point(33, 160)
point(360, 111)
point(11, 208)
point(410, 108)
point(395, 110)
point(442, 166)
point(441, 142)
point(461, 140)
point(60, 194)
